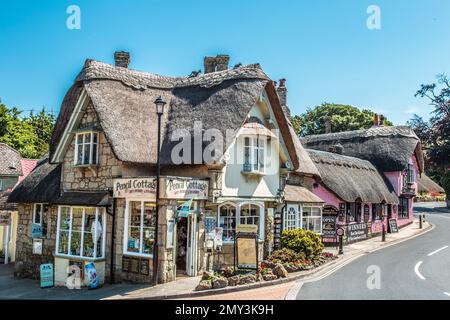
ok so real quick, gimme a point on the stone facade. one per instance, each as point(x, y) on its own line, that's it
point(27, 264)
point(99, 177)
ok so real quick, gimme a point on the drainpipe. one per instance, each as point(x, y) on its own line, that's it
point(113, 232)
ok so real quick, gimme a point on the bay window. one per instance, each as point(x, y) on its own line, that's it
point(140, 226)
point(81, 232)
point(86, 148)
point(254, 150)
point(250, 214)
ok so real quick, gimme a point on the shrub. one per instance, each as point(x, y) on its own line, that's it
point(446, 183)
point(307, 243)
point(285, 255)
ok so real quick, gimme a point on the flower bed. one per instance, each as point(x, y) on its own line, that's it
point(275, 267)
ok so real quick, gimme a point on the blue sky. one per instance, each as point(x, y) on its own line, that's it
point(323, 48)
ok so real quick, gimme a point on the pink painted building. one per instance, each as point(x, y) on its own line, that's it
point(392, 155)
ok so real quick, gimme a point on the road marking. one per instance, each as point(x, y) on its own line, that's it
point(436, 251)
point(416, 270)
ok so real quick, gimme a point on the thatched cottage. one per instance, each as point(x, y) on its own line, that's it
point(373, 191)
point(95, 195)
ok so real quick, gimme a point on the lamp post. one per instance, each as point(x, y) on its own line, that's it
point(159, 103)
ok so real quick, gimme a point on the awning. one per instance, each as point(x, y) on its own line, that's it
point(300, 194)
point(96, 199)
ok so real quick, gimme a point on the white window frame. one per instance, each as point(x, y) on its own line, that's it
point(41, 212)
point(238, 206)
point(258, 144)
point(288, 222)
point(230, 204)
point(91, 144)
point(141, 234)
point(309, 217)
point(98, 212)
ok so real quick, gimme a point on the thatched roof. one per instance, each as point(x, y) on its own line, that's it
point(295, 193)
point(388, 148)
point(305, 165)
point(10, 161)
point(426, 184)
point(89, 198)
point(41, 185)
point(352, 178)
point(124, 102)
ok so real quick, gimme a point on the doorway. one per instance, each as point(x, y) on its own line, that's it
point(182, 236)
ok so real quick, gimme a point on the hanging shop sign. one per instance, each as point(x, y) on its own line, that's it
point(393, 225)
point(135, 188)
point(4, 218)
point(91, 275)
point(47, 275)
point(329, 226)
point(329, 210)
point(277, 231)
point(246, 251)
point(357, 232)
point(185, 209)
point(186, 189)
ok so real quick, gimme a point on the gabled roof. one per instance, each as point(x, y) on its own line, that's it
point(426, 184)
point(10, 161)
point(352, 178)
point(388, 148)
point(42, 185)
point(124, 102)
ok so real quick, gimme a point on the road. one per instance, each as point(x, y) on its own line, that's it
point(415, 269)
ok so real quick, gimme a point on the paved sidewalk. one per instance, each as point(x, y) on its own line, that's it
point(278, 289)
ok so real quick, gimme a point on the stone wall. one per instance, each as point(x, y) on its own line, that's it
point(27, 264)
point(98, 177)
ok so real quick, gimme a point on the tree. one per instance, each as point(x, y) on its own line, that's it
point(343, 118)
point(438, 135)
point(28, 135)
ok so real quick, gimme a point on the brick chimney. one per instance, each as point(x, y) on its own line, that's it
point(282, 92)
point(217, 63)
point(376, 121)
point(121, 59)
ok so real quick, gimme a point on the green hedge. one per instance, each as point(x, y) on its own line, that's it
point(301, 241)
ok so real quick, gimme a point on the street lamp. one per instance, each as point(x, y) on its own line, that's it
point(159, 103)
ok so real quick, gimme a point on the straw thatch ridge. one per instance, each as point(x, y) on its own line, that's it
point(124, 102)
point(42, 185)
point(352, 178)
point(10, 161)
point(388, 148)
point(426, 184)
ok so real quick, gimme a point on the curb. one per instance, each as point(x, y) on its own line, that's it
point(293, 292)
point(329, 268)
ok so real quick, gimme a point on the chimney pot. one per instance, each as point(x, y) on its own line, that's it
point(121, 59)
point(381, 121)
point(328, 125)
point(282, 83)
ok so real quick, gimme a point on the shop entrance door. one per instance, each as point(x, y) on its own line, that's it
point(181, 250)
point(192, 245)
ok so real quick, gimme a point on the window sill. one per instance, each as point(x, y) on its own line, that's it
point(86, 165)
point(140, 255)
point(78, 258)
point(253, 173)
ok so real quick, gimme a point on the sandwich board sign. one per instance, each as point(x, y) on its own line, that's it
point(47, 277)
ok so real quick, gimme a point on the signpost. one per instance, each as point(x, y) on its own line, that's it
point(46, 274)
point(340, 232)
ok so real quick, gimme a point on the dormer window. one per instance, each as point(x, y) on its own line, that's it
point(254, 160)
point(86, 148)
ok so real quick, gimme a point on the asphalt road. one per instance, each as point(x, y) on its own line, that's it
point(415, 269)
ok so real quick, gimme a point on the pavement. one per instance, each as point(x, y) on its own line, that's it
point(289, 288)
point(415, 269)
